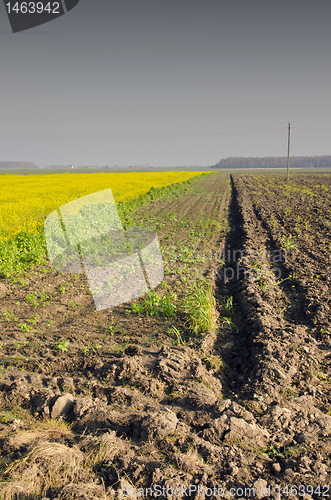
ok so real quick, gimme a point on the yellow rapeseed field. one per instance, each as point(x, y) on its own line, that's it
point(25, 201)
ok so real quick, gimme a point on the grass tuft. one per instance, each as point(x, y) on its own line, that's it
point(100, 450)
point(47, 465)
point(199, 306)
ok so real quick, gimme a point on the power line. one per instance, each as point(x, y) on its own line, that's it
point(221, 131)
point(137, 136)
point(313, 128)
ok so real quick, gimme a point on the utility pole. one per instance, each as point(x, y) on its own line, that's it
point(288, 152)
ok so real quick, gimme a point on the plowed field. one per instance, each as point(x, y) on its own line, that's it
point(135, 402)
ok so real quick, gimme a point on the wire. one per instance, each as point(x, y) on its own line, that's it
point(139, 136)
point(312, 128)
point(221, 131)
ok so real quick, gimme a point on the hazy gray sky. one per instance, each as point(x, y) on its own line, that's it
point(178, 82)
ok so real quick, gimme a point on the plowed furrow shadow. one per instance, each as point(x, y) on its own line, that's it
point(235, 345)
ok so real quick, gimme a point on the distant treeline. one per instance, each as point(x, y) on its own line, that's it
point(21, 165)
point(236, 162)
point(275, 162)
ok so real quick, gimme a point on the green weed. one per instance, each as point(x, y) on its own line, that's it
point(263, 286)
point(228, 305)
point(273, 452)
point(46, 271)
point(26, 328)
point(95, 347)
point(43, 296)
point(290, 242)
point(229, 324)
point(137, 308)
point(153, 304)
point(34, 318)
point(32, 299)
point(8, 315)
point(62, 345)
point(167, 307)
point(111, 329)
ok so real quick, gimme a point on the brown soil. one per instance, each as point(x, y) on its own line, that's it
point(128, 404)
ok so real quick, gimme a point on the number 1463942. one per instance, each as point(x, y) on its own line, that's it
point(33, 7)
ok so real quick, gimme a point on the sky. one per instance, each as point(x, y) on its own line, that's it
point(167, 83)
